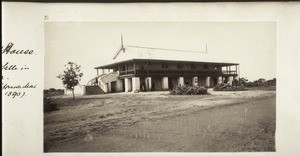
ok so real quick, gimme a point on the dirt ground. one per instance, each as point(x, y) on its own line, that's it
point(157, 121)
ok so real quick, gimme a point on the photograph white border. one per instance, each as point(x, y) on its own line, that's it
point(23, 24)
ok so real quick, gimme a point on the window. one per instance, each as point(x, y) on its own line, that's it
point(205, 66)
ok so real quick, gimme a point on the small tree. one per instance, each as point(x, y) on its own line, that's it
point(71, 76)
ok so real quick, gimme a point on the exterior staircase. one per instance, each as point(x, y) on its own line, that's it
point(102, 81)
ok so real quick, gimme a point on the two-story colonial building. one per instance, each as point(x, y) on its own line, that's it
point(142, 72)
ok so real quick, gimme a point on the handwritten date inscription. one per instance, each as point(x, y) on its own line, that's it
point(16, 90)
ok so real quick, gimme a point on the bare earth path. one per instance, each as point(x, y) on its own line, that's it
point(243, 125)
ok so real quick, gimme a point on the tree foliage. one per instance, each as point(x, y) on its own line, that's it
point(71, 76)
point(261, 82)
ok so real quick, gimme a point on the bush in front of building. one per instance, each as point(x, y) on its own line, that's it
point(189, 90)
point(228, 87)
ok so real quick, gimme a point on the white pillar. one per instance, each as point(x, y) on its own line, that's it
point(195, 81)
point(180, 81)
point(128, 85)
point(119, 85)
point(148, 82)
point(165, 83)
point(220, 79)
point(207, 81)
point(135, 84)
point(230, 79)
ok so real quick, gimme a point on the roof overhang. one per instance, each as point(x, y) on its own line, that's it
point(112, 65)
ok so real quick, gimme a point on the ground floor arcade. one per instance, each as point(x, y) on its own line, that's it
point(137, 84)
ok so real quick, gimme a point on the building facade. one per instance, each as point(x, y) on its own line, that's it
point(152, 75)
point(136, 73)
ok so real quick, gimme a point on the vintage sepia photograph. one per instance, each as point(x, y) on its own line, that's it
point(159, 86)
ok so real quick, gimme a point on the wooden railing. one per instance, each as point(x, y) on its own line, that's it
point(127, 72)
point(229, 72)
point(161, 72)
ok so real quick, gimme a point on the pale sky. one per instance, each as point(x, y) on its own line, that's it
point(91, 44)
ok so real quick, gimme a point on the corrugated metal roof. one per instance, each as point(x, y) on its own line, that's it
point(130, 53)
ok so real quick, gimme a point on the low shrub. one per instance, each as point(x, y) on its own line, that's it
point(228, 87)
point(262, 83)
point(256, 83)
point(189, 90)
point(49, 105)
point(53, 92)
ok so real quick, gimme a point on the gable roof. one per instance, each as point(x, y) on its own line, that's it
point(128, 53)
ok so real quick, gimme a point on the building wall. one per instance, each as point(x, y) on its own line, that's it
point(213, 81)
point(157, 83)
point(119, 85)
point(201, 81)
point(155, 65)
point(138, 65)
point(142, 84)
point(188, 80)
point(130, 66)
point(174, 66)
point(174, 82)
